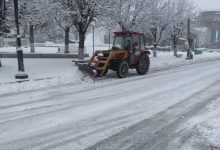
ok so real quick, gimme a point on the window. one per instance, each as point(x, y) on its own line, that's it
point(122, 42)
point(142, 43)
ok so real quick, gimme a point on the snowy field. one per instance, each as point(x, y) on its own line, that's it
point(48, 112)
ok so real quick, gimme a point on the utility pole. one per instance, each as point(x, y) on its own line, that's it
point(93, 24)
point(20, 74)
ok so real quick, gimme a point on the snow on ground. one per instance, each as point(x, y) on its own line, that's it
point(75, 117)
point(207, 124)
point(210, 126)
point(46, 73)
point(62, 71)
point(166, 59)
point(42, 73)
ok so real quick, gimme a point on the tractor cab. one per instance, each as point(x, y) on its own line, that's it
point(130, 41)
point(128, 52)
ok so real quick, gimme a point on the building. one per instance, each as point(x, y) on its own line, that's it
point(211, 20)
point(203, 35)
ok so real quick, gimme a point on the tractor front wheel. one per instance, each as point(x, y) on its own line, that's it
point(99, 72)
point(123, 69)
point(143, 65)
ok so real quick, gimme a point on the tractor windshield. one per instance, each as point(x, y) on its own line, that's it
point(122, 42)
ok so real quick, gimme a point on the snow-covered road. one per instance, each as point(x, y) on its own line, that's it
point(78, 116)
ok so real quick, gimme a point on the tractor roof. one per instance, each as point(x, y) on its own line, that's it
point(128, 33)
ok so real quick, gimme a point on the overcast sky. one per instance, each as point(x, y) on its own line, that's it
point(208, 4)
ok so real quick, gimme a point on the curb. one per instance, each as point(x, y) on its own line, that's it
point(41, 55)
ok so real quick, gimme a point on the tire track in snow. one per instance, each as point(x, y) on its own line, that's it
point(69, 134)
point(70, 104)
point(160, 130)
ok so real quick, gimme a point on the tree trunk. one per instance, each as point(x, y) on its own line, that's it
point(154, 32)
point(81, 44)
point(174, 49)
point(32, 38)
point(2, 6)
point(67, 31)
point(155, 50)
point(174, 42)
point(189, 50)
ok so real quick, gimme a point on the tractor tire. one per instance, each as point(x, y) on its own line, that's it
point(98, 72)
point(122, 70)
point(143, 65)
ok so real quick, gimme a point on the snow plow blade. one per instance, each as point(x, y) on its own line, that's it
point(87, 70)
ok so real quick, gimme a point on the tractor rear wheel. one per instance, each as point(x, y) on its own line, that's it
point(123, 68)
point(143, 65)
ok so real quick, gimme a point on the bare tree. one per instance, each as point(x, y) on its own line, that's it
point(182, 10)
point(59, 11)
point(30, 17)
point(125, 14)
point(156, 20)
point(83, 12)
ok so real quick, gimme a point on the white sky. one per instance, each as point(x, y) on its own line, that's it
point(208, 4)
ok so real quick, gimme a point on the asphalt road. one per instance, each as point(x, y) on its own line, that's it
point(139, 112)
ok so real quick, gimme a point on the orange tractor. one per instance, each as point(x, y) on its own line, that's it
point(128, 52)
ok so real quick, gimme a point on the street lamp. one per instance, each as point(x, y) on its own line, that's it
point(93, 39)
point(93, 36)
point(20, 74)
